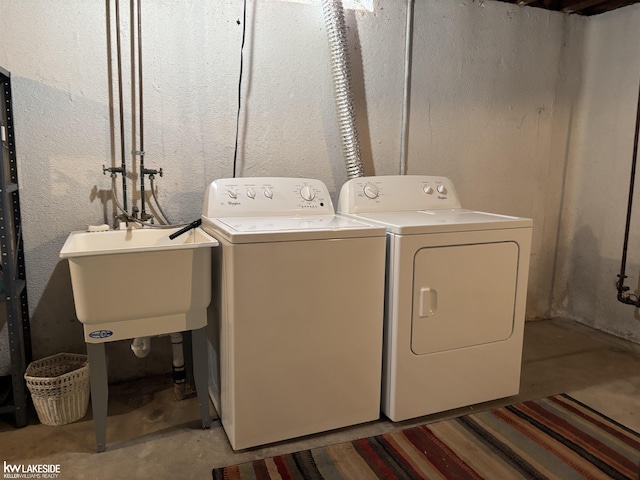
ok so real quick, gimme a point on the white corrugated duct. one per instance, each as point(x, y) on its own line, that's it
point(341, 72)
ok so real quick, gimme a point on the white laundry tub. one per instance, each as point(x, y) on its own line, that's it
point(137, 282)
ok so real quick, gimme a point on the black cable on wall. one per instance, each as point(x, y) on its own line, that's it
point(244, 31)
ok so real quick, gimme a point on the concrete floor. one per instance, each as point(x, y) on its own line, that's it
point(150, 435)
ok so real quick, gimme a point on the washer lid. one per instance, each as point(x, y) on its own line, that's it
point(442, 221)
point(285, 228)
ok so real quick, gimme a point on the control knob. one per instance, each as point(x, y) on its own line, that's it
point(428, 189)
point(232, 193)
point(251, 193)
point(371, 191)
point(268, 193)
point(307, 193)
point(442, 189)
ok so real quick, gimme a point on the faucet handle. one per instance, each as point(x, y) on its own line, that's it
point(112, 170)
point(151, 172)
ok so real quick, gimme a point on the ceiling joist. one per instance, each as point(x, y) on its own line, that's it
point(579, 7)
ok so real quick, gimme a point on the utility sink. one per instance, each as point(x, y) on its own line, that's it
point(137, 282)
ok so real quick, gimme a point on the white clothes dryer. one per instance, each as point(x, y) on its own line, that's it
point(455, 295)
point(295, 322)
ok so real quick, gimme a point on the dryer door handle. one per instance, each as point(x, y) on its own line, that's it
point(428, 302)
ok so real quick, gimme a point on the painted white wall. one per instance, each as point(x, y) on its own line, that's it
point(594, 206)
point(57, 53)
point(490, 105)
point(489, 90)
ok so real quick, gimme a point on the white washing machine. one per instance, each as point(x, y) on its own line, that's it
point(455, 294)
point(296, 318)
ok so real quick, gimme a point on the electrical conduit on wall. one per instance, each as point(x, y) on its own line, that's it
point(406, 96)
point(341, 73)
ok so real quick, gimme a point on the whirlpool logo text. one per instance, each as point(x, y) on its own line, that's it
point(101, 334)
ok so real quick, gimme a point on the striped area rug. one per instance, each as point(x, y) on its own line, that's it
point(553, 438)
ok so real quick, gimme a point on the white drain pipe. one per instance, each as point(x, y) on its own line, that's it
point(341, 72)
point(141, 346)
point(179, 373)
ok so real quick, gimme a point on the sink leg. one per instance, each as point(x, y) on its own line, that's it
point(99, 392)
point(201, 372)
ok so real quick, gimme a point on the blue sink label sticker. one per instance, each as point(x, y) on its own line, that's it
point(101, 334)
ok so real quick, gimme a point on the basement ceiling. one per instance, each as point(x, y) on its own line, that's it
point(579, 7)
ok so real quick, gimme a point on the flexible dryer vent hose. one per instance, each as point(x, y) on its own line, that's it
point(341, 72)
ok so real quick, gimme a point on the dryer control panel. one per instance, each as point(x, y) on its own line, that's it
point(395, 193)
point(257, 196)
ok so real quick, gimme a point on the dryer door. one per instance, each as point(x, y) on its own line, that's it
point(463, 295)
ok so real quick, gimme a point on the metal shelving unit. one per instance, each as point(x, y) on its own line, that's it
point(13, 291)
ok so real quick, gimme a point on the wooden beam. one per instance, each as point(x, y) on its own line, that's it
point(608, 6)
point(576, 6)
point(581, 7)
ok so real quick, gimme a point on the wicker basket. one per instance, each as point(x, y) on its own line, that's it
point(59, 387)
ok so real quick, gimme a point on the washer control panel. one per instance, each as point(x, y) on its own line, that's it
point(397, 193)
point(256, 196)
